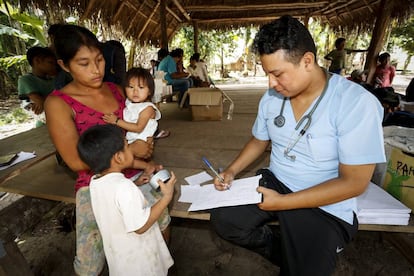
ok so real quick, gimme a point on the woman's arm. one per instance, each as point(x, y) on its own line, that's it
point(62, 131)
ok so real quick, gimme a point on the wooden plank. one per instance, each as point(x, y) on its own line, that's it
point(12, 261)
point(45, 180)
point(36, 140)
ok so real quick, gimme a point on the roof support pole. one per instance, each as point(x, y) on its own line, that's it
point(164, 38)
point(195, 27)
point(378, 35)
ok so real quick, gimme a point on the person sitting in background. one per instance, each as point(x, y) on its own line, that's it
point(34, 87)
point(409, 92)
point(115, 61)
point(154, 66)
point(385, 72)
point(203, 68)
point(180, 81)
point(62, 77)
point(196, 73)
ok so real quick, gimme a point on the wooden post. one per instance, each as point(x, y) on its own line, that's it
point(378, 34)
point(195, 27)
point(164, 37)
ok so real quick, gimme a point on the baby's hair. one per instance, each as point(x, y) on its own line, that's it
point(41, 52)
point(144, 75)
point(98, 144)
point(339, 41)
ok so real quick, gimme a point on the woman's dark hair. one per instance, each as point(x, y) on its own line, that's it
point(144, 75)
point(70, 38)
point(98, 144)
point(287, 34)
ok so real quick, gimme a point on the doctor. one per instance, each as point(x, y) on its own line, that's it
point(326, 137)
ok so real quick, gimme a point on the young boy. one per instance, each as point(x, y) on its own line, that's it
point(35, 86)
point(132, 240)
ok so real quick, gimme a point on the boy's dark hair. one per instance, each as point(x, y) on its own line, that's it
point(37, 51)
point(339, 41)
point(142, 74)
point(98, 144)
point(70, 38)
point(285, 33)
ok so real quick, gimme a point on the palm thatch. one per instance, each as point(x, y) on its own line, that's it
point(142, 20)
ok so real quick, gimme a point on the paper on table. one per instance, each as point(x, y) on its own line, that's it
point(243, 191)
point(199, 178)
point(22, 156)
point(189, 193)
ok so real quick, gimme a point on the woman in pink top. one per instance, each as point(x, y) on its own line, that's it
point(69, 112)
point(384, 73)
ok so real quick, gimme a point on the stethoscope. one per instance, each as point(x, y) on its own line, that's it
point(279, 121)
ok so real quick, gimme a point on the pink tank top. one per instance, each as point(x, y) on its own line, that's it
point(86, 117)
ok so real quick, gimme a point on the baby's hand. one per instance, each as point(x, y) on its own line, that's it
point(110, 118)
point(142, 179)
point(167, 188)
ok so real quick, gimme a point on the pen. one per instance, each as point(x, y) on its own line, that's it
point(213, 170)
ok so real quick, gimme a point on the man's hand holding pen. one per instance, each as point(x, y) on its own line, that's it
point(223, 181)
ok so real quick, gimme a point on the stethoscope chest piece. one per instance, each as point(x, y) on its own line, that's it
point(279, 120)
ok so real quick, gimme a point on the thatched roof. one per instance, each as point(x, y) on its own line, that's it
point(141, 20)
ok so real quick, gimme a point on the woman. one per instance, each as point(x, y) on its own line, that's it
point(69, 112)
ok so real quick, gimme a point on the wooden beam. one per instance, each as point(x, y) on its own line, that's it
point(164, 38)
point(174, 14)
point(227, 20)
point(148, 20)
point(378, 34)
point(118, 13)
point(296, 5)
point(182, 10)
point(195, 39)
point(87, 12)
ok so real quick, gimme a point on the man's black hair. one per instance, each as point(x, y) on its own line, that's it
point(287, 34)
point(98, 144)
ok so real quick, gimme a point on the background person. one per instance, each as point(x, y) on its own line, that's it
point(384, 72)
point(180, 81)
point(34, 87)
point(315, 172)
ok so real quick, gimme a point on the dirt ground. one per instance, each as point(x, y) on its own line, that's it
point(49, 249)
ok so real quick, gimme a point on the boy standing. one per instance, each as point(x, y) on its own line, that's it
point(132, 240)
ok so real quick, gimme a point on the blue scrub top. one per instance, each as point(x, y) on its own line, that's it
point(346, 128)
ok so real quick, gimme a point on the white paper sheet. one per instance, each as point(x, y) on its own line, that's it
point(199, 178)
point(377, 206)
point(22, 156)
point(243, 191)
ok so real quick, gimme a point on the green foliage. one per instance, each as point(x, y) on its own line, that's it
point(404, 36)
point(17, 115)
point(8, 62)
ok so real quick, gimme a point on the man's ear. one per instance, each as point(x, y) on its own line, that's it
point(62, 65)
point(309, 60)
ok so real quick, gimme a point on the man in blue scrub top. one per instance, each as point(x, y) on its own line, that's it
point(326, 137)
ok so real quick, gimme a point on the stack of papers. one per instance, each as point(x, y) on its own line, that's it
point(377, 206)
point(243, 191)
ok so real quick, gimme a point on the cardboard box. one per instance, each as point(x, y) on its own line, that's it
point(206, 104)
point(399, 178)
